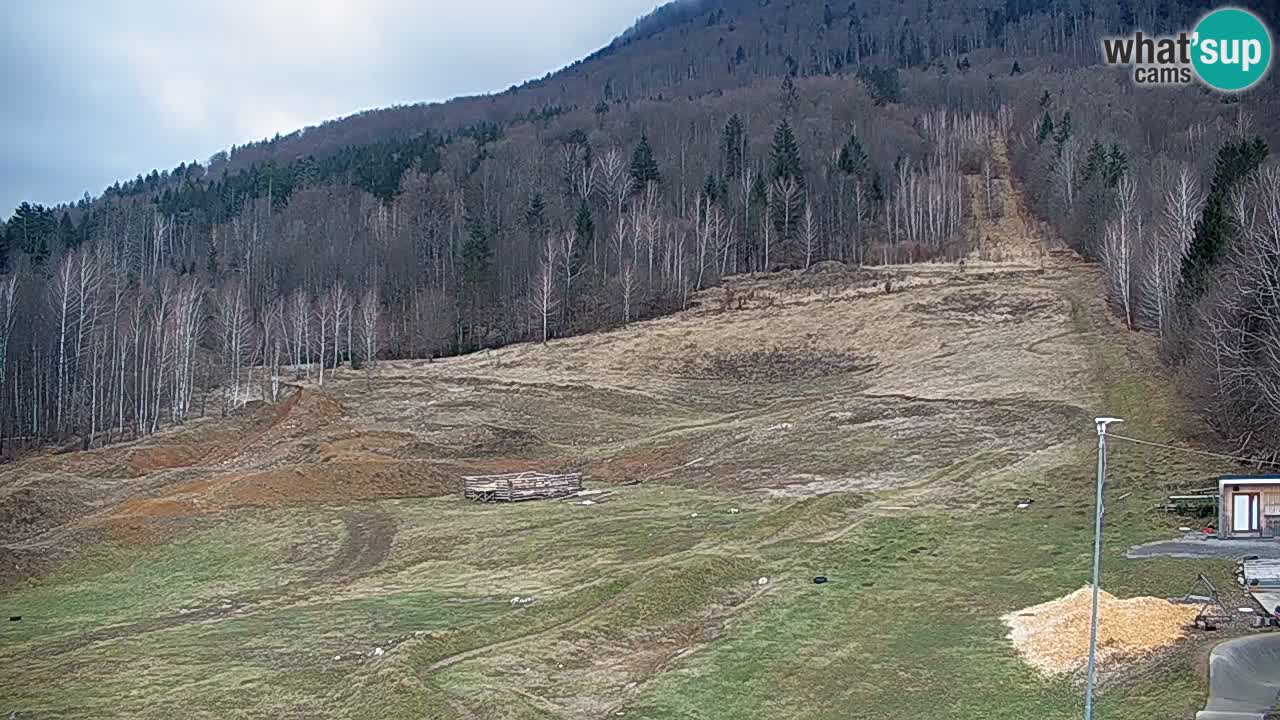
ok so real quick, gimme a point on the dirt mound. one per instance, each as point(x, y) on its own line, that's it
point(42, 504)
point(304, 413)
point(777, 364)
point(826, 267)
point(320, 484)
point(978, 307)
point(1054, 636)
point(144, 460)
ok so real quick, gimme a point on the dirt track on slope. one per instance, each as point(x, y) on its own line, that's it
point(369, 535)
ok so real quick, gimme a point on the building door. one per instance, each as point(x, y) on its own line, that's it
point(1244, 512)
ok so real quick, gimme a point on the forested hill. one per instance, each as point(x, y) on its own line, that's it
point(713, 137)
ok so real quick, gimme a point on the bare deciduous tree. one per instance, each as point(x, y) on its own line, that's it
point(370, 322)
point(809, 235)
point(544, 287)
point(1168, 247)
point(236, 332)
point(1119, 247)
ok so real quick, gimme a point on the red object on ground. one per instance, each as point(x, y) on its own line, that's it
point(1208, 530)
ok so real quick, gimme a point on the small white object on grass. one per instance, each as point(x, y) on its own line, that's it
point(1023, 505)
point(733, 511)
point(586, 502)
point(377, 652)
point(1184, 529)
point(337, 658)
point(693, 515)
point(763, 581)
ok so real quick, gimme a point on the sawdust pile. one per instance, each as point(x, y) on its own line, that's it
point(1054, 636)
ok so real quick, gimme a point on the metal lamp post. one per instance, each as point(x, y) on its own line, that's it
point(1101, 424)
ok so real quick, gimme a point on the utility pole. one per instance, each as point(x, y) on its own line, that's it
point(1101, 424)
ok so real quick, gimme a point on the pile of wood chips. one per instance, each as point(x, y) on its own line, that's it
point(1054, 636)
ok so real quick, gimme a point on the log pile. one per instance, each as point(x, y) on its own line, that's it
point(519, 487)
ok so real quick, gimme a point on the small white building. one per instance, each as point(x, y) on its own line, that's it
point(1249, 506)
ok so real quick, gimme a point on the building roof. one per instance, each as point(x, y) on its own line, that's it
point(1248, 480)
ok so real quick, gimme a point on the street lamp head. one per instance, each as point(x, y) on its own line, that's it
point(1103, 422)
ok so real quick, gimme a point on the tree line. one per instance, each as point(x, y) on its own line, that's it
point(740, 138)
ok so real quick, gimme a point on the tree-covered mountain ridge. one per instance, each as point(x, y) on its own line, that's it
point(713, 138)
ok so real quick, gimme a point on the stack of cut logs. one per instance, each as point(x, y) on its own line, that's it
point(518, 487)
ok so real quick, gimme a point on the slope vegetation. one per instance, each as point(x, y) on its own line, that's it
point(875, 427)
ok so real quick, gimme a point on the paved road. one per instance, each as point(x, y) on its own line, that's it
point(1204, 546)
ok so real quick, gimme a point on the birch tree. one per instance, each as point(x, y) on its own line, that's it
point(1183, 203)
point(298, 319)
point(369, 329)
point(544, 287)
point(809, 235)
point(8, 313)
point(339, 313)
point(628, 285)
point(187, 320)
point(1121, 238)
point(236, 332)
point(62, 299)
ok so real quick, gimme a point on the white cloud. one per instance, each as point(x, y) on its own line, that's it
point(117, 88)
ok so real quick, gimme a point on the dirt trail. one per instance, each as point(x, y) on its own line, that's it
point(369, 535)
point(1004, 231)
point(368, 542)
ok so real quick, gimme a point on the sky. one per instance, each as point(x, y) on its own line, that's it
point(97, 91)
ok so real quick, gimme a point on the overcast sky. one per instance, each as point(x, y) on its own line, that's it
point(96, 91)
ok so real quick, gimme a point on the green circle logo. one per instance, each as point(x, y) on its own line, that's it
point(1231, 49)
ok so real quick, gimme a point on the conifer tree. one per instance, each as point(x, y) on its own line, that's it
point(644, 168)
point(784, 155)
point(731, 146)
point(1236, 162)
point(1046, 128)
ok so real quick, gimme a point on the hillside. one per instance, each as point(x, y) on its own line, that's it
point(821, 298)
point(713, 139)
point(315, 558)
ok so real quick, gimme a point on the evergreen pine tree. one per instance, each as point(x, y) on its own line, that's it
point(535, 216)
point(644, 168)
point(853, 158)
point(476, 250)
point(211, 265)
point(1236, 163)
point(1095, 164)
point(67, 231)
point(1063, 133)
point(759, 192)
point(585, 227)
point(785, 155)
point(790, 98)
point(1117, 166)
point(1046, 128)
point(731, 146)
